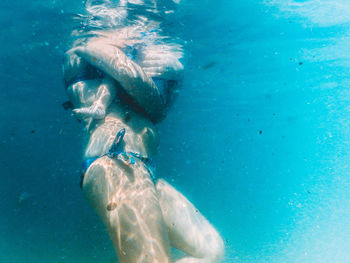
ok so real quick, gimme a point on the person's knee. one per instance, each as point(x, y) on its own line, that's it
point(217, 249)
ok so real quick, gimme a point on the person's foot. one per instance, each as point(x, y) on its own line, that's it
point(94, 112)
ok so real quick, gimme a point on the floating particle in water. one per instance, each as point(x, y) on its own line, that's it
point(260, 132)
point(300, 63)
point(24, 196)
point(268, 96)
point(209, 65)
point(32, 131)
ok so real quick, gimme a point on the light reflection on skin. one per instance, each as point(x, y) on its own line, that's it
point(142, 219)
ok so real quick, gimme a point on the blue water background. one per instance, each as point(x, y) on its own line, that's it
point(258, 138)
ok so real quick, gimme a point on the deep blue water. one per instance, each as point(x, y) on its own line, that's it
point(258, 138)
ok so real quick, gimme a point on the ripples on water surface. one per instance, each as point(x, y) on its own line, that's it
point(258, 138)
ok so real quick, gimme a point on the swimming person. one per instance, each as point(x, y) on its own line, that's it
point(158, 66)
point(122, 89)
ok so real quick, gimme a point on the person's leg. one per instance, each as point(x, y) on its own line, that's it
point(125, 198)
point(105, 94)
point(188, 229)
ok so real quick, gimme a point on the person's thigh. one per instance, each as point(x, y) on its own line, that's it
point(125, 198)
point(188, 229)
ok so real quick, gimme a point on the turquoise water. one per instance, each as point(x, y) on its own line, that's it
point(258, 138)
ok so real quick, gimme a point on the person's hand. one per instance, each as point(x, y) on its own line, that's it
point(160, 63)
point(93, 112)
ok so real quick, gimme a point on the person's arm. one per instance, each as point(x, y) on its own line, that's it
point(102, 54)
point(73, 66)
point(105, 94)
point(90, 91)
point(162, 61)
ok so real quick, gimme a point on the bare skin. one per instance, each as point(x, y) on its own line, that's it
point(142, 219)
point(124, 195)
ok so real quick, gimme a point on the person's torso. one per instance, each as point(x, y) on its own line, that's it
point(141, 136)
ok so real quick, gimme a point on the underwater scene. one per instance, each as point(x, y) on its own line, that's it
point(251, 127)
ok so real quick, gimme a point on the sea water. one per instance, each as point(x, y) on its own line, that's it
point(258, 138)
